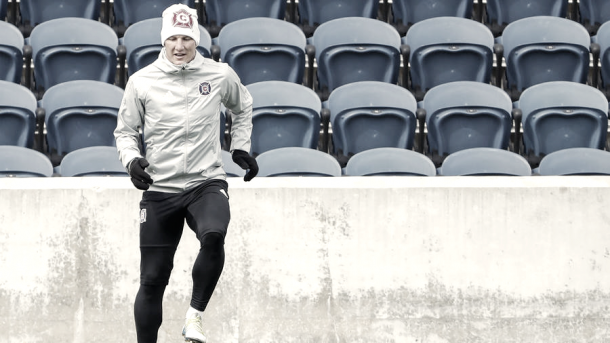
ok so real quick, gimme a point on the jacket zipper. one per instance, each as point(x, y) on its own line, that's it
point(186, 133)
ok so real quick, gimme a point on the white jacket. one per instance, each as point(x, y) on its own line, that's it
point(177, 110)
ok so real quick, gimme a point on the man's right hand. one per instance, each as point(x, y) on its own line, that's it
point(139, 177)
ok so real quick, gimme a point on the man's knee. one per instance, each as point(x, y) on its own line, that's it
point(212, 242)
point(156, 266)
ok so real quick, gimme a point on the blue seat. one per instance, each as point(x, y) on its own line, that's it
point(560, 115)
point(313, 13)
point(465, 114)
point(405, 13)
point(355, 49)
point(389, 162)
point(603, 39)
point(128, 12)
point(68, 49)
point(17, 115)
point(542, 49)
point(92, 161)
point(230, 167)
point(296, 161)
point(11, 52)
point(485, 162)
point(593, 14)
point(284, 114)
point(446, 49)
point(34, 12)
point(3, 9)
point(80, 114)
point(500, 13)
point(371, 114)
point(576, 161)
point(143, 44)
point(263, 49)
point(16, 161)
point(222, 12)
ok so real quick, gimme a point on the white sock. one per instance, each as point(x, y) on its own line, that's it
point(191, 312)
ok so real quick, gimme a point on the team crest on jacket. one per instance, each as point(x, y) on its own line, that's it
point(205, 88)
point(182, 19)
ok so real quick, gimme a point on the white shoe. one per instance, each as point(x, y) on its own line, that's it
point(193, 330)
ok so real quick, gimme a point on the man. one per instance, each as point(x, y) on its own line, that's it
point(171, 109)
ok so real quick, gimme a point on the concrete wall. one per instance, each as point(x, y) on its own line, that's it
point(397, 259)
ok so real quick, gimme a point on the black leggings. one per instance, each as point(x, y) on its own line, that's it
point(206, 210)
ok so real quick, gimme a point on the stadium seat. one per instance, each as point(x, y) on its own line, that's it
point(541, 49)
point(446, 49)
point(16, 161)
point(485, 162)
point(405, 13)
point(296, 161)
point(68, 49)
point(284, 114)
point(313, 13)
point(389, 162)
point(143, 43)
point(371, 114)
point(11, 52)
point(92, 161)
point(127, 12)
point(355, 49)
point(594, 13)
point(80, 114)
point(263, 49)
point(222, 12)
point(466, 114)
point(576, 161)
point(17, 115)
point(3, 10)
point(230, 167)
point(500, 13)
point(560, 115)
point(34, 12)
point(603, 40)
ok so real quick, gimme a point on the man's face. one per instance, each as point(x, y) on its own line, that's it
point(180, 49)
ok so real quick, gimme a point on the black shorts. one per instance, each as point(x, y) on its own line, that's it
point(162, 215)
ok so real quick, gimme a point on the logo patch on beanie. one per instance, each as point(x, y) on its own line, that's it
point(205, 88)
point(182, 19)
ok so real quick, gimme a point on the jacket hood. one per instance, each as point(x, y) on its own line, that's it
point(168, 67)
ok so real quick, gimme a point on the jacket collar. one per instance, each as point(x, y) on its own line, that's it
point(168, 67)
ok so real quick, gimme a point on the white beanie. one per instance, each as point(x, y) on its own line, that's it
point(181, 20)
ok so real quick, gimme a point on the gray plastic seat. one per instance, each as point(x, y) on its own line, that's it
point(263, 49)
point(11, 52)
point(3, 9)
point(313, 13)
point(485, 162)
point(296, 161)
point(284, 114)
point(222, 12)
point(92, 161)
point(16, 161)
point(576, 161)
point(593, 14)
point(603, 39)
point(405, 13)
point(500, 13)
point(230, 167)
point(560, 115)
point(34, 12)
point(389, 162)
point(17, 115)
point(128, 12)
point(465, 114)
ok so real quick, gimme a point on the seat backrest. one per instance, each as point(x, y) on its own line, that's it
point(3, 9)
point(284, 114)
point(230, 167)
point(92, 161)
point(317, 12)
point(371, 114)
point(143, 43)
point(603, 39)
point(11, 52)
point(74, 49)
point(410, 12)
point(80, 114)
point(389, 162)
point(128, 12)
point(576, 161)
point(465, 114)
point(504, 12)
point(543, 48)
point(35, 12)
point(356, 49)
point(296, 161)
point(263, 49)
point(559, 115)
point(485, 162)
point(222, 12)
point(446, 49)
point(16, 161)
point(17, 115)
point(594, 13)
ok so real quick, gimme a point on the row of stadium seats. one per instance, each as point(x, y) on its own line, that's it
point(296, 161)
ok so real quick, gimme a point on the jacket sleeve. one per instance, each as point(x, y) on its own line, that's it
point(129, 123)
point(237, 99)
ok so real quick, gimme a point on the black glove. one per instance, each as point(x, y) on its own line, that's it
point(247, 162)
point(139, 177)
